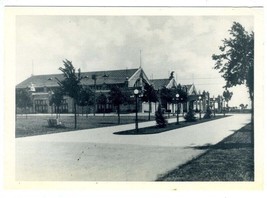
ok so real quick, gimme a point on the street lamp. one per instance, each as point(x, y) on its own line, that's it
point(136, 92)
point(177, 114)
point(199, 106)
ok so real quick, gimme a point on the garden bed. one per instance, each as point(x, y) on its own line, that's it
point(170, 126)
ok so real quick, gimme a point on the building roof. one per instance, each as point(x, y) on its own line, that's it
point(159, 83)
point(108, 77)
point(191, 89)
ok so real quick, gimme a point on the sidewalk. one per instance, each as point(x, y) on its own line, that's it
point(99, 155)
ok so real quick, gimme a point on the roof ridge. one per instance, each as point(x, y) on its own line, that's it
point(160, 79)
point(111, 70)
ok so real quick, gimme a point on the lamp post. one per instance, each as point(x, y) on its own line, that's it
point(177, 114)
point(199, 106)
point(136, 92)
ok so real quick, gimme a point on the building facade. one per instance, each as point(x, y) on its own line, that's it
point(100, 82)
point(42, 88)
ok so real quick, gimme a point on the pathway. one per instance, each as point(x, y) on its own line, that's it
point(99, 155)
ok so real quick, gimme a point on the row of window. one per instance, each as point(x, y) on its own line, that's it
point(41, 106)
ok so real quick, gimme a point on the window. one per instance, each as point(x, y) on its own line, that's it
point(41, 106)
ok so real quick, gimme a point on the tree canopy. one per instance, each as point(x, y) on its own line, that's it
point(227, 95)
point(56, 99)
point(150, 94)
point(70, 85)
point(236, 61)
point(117, 97)
point(86, 97)
point(23, 98)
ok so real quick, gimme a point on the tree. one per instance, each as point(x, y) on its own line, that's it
point(160, 119)
point(236, 61)
point(149, 95)
point(182, 94)
point(242, 106)
point(117, 98)
point(102, 100)
point(94, 77)
point(166, 96)
point(190, 116)
point(70, 85)
point(56, 99)
point(86, 98)
point(227, 96)
point(23, 99)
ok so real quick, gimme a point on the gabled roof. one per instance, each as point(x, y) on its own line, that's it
point(191, 89)
point(159, 83)
point(108, 77)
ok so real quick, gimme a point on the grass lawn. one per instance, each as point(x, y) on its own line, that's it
point(170, 126)
point(37, 125)
point(232, 159)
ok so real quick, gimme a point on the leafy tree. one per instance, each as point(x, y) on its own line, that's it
point(227, 96)
point(236, 61)
point(70, 85)
point(94, 77)
point(102, 100)
point(190, 116)
point(160, 119)
point(117, 98)
point(23, 99)
point(166, 96)
point(86, 97)
point(208, 113)
point(242, 106)
point(56, 99)
point(182, 93)
point(149, 95)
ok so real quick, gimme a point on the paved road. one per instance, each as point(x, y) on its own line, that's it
point(99, 155)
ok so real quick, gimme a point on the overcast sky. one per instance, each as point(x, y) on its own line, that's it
point(168, 43)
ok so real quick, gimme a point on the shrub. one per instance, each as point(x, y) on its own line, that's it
point(160, 119)
point(190, 116)
point(208, 113)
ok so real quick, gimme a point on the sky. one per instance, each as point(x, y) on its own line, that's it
point(183, 44)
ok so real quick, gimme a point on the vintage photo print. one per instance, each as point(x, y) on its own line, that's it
point(147, 97)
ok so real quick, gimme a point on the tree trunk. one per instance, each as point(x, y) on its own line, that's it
point(82, 111)
point(26, 113)
point(119, 119)
point(87, 109)
point(149, 111)
point(75, 115)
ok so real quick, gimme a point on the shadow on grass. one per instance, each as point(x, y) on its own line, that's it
point(224, 146)
point(225, 161)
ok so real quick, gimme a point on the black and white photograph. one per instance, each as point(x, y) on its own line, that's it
point(160, 95)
